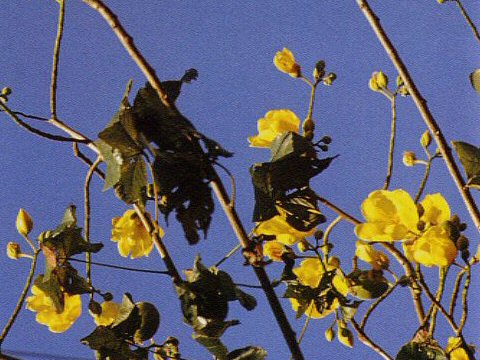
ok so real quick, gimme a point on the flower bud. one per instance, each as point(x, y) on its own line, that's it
point(24, 223)
point(329, 334)
point(107, 296)
point(285, 62)
point(308, 125)
point(399, 81)
point(345, 336)
point(426, 139)
point(319, 70)
point(462, 243)
point(94, 307)
point(409, 158)
point(6, 91)
point(378, 81)
point(303, 246)
point(318, 234)
point(13, 250)
point(329, 79)
point(334, 261)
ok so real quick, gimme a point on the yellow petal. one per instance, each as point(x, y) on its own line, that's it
point(434, 248)
point(274, 250)
point(436, 209)
point(275, 123)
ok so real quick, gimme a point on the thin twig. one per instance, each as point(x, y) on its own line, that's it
point(56, 58)
point(120, 267)
point(88, 179)
point(466, 286)
point(393, 100)
point(468, 20)
point(455, 292)
point(424, 180)
point(77, 153)
point(326, 236)
point(36, 131)
point(377, 302)
point(424, 111)
point(230, 253)
point(369, 342)
point(21, 299)
point(28, 116)
point(441, 287)
point(248, 286)
point(432, 298)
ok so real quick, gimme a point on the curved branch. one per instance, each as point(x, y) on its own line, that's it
point(424, 111)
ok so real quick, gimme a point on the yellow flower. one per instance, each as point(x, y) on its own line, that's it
point(284, 232)
point(274, 250)
point(435, 210)
point(131, 236)
point(454, 349)
point(273, 124)
point(309, 273)
point(43, 305)
point(378, 81)
point(366, 252)
point(434, 248)
point(110, 311)
point(285, 62)
point(24, 222)
point(390, 215)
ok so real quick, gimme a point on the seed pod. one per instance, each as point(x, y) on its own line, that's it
point(462, 243)
point(329, 334)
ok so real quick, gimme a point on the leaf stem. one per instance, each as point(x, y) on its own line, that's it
point(466, 286)
point(441, 287)
point(455, 292)
point(230, 253)
point(424, 111)
point(424, 180)
point(468, 20)
point(21, 299)
point(393, 100)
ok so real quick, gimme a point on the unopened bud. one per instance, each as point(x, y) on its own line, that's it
point(319, 70)
point(462, 243)
point(318, 234)
point(303, 246)
point(421, 225)
point(334, 261)
point(345, 336)
point(14, 251)
point(329, 79)
point(107, 296)
point(399, 81)
point(329, 334)
point(308, 125)
point(378, 81)
point(24, 223)
point(426, 139)
point(6, 91)
point(409, 158)
point(94, 307)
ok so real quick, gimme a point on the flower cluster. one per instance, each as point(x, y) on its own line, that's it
point(394, 216)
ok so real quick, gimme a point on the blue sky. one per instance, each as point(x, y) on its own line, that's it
point(232, 45)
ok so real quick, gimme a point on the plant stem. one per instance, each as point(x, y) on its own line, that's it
point(441, 287)
point(466, 286)
point(456, 289)
point(56, 58)
point(88, 179)
point(376, 303)
point(230, 253)
point(424, 180)
point(393, 100)
point(369, 342)
point(424, 111)
point(21, 299)
point(468, 20)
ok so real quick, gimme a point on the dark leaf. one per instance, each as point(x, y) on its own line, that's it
point(469, 156)
point(367, 284)
point(131, 187)
point(149, 321)
point(128, 320)
point(109, 346)
point(246, 300)
point(113, 162)
point(290, 144)
point(420, 351)
point(248, 353)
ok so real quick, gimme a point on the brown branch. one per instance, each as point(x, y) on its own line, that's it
point(369, 342)
point(468, 20)
point(127, 41)
point(56, 58)
point(393, 100)
point(424, 111)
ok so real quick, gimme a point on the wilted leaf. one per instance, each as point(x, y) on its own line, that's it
point(214, 345)
point(420, 351)
point(469, 156)
point(367, 284)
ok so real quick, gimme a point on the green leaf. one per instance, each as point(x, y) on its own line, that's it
point(420, 351)
point(149, 321)
point(214, 345)
point(113, 163)
point(470, 158)
point(127, 320)
point(51, 287)
point(131, 187)
point(367, 284)
point(288, 144)
point(248, 353)
point(475, 80)
point(109, 346)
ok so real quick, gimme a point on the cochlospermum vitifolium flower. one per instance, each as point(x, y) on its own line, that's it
point(285, 62)
point(275, 122)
